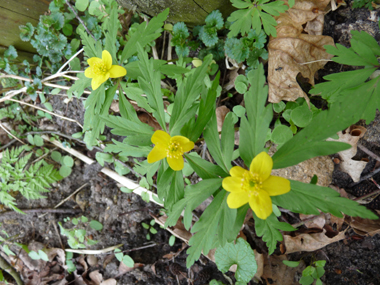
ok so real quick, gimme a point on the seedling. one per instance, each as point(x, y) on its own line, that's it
point(150, 228)
point(312, 273)
point(77, 236)
point(66, 162)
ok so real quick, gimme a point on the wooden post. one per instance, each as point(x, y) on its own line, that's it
point(14, 13)
point(191, 12)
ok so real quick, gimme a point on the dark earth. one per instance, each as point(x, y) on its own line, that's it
point(354, 260)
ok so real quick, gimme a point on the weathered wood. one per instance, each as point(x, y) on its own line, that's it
point(192, 12)
point(14, 13)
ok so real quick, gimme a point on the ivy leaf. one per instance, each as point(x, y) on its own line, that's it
point(309, 198)
point(11, 53)
point(236, 49)
point(180, 34)
point(215, 19)
point(26, 32)
point(208, 35)
point(269, 230)
point(240, 254)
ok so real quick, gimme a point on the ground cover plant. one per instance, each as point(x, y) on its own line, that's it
point(186, 155)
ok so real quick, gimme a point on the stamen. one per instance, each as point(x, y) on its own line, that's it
point(174, 150)
point(100, 68)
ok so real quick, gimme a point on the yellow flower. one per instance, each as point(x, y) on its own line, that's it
point(255, 186)
point(102, 69)
point(170, 147)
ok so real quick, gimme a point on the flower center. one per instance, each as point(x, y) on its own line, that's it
point(100, 68)
point(174, 150)
point(251, 183)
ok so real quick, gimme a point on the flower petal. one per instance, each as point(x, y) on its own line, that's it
point(261, 205)
point(107, 59)
point(276, 185)
point(237, 199)
point(117, 71)
point(262, 164)
point(237, 171)
point(89, 72)
point(188, 146)
point(91, 61)
point(156, 154)
point(232, 184)
point(176, 163)
point(97, 81)
point(160, 137)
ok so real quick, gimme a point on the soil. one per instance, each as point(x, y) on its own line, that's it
point(355, 260)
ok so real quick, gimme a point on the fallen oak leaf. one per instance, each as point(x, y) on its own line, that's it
point(293, 52)
point(353, 167)
point(310, 242)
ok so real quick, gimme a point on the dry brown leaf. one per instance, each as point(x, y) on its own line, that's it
point(351, 136)
point(221, 113)
point(292, 49)
point(318, 222)
point(124, 269)
point(279, 273)
point(310, 242)
point(364, 226)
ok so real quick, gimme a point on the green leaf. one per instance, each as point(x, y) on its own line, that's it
point(228, 139)
point(93, 124)
point(170, 186)
point(96, 225)
point(34, 255)
point(186, 94)
point(65, 171)
point(79, 86)
point(112, 28)
point(11, 53)
point(103, 157)
point(128, 261)
point(197, 193)
point(206, 109)
point(291, 263)
point(81, 5)
point(150, 83)
point(309, 198)
point(279, 107)
point(253, 129)
point(301, 116)
point(269, 230)
point(68, 161)
point(205, 229)
point(239, 110)
point(310, 142)
point(7, 250)
point(253, 15)
point(43, 255)
point(171, 240)
point(213, 143)
point(127, 150)
point(306, 280)
point(38, 140)
point(144, 34)
point(215, 19)
point(240, 254)
point(203, 168)
point(281, 134)
point(30, 139)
